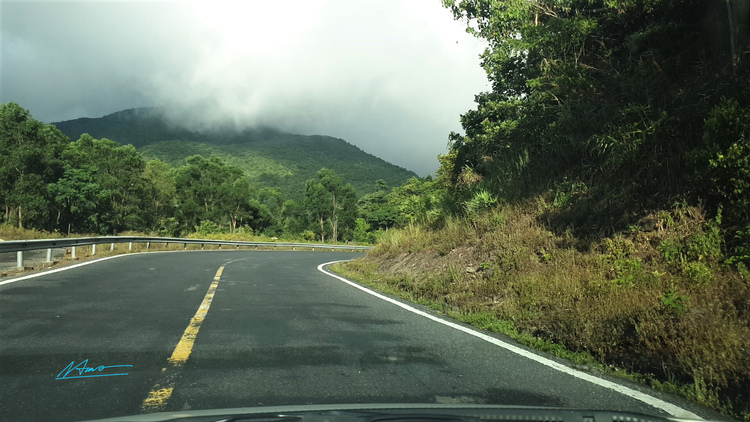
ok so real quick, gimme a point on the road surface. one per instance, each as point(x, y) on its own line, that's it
point(219, 329)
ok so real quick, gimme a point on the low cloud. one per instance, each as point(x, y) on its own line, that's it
point(391, 77)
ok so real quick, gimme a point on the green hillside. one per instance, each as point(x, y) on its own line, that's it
point(270, 158)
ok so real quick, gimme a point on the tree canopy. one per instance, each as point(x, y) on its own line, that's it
point(622, 103)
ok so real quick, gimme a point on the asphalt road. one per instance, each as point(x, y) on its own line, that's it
point(275, 331)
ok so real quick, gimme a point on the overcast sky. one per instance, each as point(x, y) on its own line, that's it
point(390, 76)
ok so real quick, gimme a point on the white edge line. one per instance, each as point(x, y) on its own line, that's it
point(69, 267)
point(670, 408)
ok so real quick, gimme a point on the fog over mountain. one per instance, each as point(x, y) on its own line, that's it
point(390, 76)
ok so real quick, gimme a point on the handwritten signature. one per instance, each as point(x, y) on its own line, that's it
point(82, 369)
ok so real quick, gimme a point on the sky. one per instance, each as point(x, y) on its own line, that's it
point(389, 76)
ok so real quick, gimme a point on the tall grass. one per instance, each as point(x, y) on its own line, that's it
point(661, 304)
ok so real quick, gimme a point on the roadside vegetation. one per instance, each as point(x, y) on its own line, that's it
point(596, 204)
point(659, 304)
point(51, 185)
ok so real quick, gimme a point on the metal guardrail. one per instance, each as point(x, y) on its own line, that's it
point(19, 246)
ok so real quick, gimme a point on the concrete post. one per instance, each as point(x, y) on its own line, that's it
point(19, 259)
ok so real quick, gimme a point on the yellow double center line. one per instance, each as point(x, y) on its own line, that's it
point(160, 394)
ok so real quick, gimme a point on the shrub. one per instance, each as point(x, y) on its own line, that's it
point(309, 235)
point(480, 201)
point(698, 272)
point(207, 227)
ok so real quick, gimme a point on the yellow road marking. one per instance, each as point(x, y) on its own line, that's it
point(158, 396)
point(185, 346)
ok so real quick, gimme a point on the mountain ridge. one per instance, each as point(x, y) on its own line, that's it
point(270, 158)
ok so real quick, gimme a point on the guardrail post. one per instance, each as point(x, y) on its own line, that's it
point(73, 252)
point(184, 246)
point(111, 247)
point(130, 246)
point(238, 246)
point(148, 245)
point(201, 246)
point(19, 259)
point(49, 254)
point(219, 245)
point(93, 249)
point(294, 248)
point(256, 246)
point(313, 248)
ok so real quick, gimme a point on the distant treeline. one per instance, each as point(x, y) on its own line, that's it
point(268, 157)
point(99, 186)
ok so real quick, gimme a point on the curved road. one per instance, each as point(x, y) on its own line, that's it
point(218, 329)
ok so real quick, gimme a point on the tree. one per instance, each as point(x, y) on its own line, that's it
point(29, 159)
point(77, 198)
point(208, 189)
point(378, 210)
point(240, 207)
point(203, 185)
point(332, 183)
point(417, 200)
point(381, 185)
point(318, 204)
point(161, 192)
point(294, 217)
point(609, 96)
point(273, 200)
point(120, 171)
point(342, 202)
point(347, 210)
point(362, 231)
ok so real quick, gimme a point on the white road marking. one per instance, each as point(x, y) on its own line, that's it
point(670, 408)
point(70, 267)
point(57, 270)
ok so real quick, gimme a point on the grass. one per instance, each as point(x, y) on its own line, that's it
point(660, 307)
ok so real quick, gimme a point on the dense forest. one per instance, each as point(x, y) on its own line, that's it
point(99, 186)
point(620, 107)
point(269, 158)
